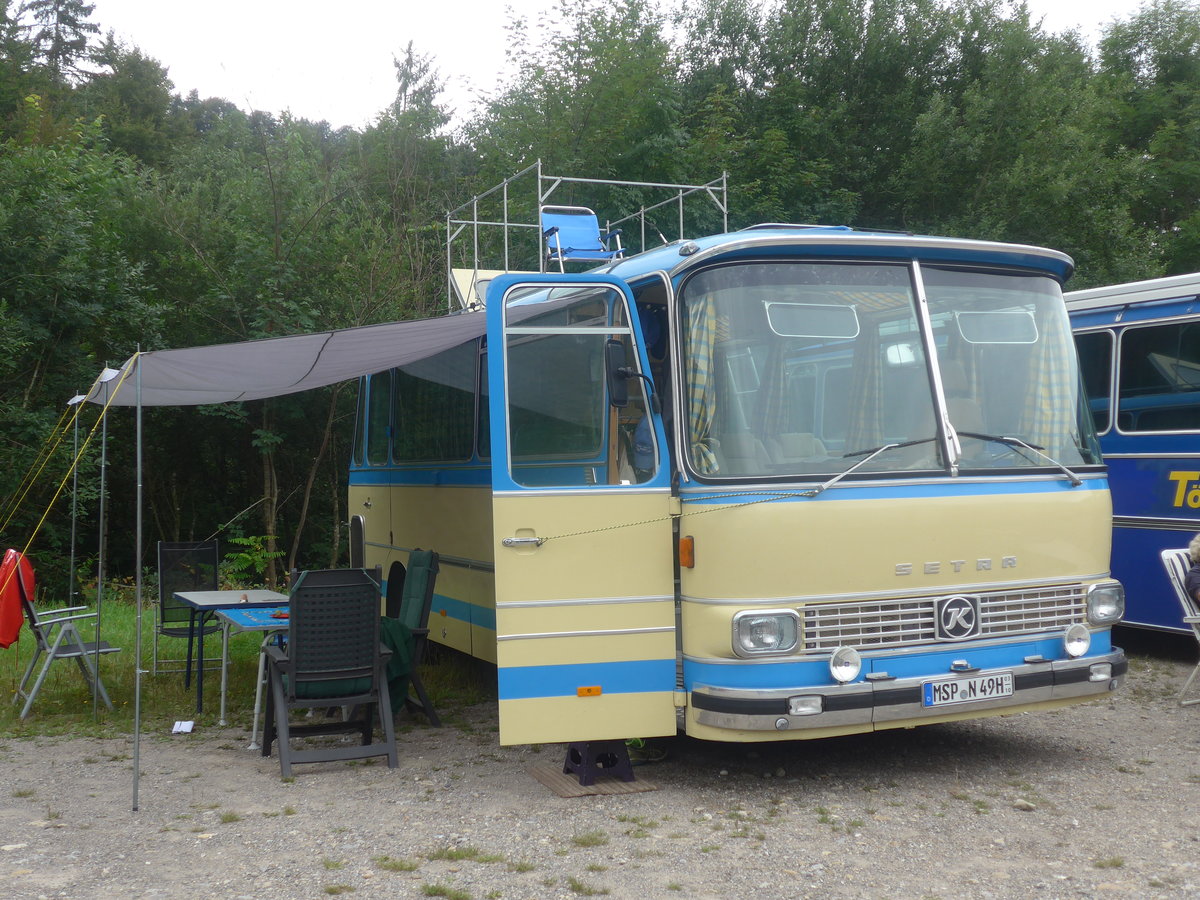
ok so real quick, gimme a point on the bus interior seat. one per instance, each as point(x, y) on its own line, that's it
point(796, 446)
point(741, 453)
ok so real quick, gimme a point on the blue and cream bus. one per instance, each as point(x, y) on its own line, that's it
point(1139, 348)
point(781, 483)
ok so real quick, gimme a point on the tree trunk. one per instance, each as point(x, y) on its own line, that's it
point(326, 436)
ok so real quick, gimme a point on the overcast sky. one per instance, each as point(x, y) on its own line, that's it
point(333, 61)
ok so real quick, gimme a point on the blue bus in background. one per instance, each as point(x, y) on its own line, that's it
point(1139, 350)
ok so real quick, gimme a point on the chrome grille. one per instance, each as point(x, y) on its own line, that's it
point(871, 624)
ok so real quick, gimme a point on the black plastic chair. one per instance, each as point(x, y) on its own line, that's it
point(333, 658)
point(410, 594)
point(183, 566)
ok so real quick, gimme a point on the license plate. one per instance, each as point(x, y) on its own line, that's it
point(966, 690)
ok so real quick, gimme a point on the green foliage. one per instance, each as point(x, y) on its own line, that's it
point(247, 565)
point(130, 216)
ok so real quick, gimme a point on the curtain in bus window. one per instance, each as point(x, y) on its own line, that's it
point(702, 340)
point(865, 427)
point(1050, 410)
point(773, 408)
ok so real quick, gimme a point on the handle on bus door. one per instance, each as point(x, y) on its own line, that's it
point(523, 541)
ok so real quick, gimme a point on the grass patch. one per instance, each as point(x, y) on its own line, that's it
point(456, 854)
point(1111, 862)
point(64, 703)
point(595, 838)
point(338, 889)
point(227, 817)
point(583, 889)
point(444, 890)
point(391, 864)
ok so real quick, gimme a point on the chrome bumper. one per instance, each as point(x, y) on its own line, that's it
point(895, 700)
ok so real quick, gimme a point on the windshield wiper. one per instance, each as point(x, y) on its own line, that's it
point(1018, 444)
point(871, 454)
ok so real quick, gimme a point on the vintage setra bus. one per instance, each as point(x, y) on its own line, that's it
point(1139, 349)
point(780, 483)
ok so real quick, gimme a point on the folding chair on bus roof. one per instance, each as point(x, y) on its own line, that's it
point(54, 633)
point(572, 233)
point(1177, 563)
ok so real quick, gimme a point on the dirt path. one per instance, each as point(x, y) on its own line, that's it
point(1093, 801)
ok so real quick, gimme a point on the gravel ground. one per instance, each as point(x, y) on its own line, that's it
point(1100, 800)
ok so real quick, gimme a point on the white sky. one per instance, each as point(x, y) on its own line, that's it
point(329, 61)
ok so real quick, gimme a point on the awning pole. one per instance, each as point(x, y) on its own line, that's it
point(137, 599)
point(102, 556)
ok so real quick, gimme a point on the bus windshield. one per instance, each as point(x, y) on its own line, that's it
point(802, 368)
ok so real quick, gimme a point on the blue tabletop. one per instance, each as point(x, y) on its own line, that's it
point(259, 619)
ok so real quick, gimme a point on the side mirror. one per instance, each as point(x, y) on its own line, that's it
point(616, 372)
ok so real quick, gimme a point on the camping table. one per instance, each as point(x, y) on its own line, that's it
point(204, 605)
point(271, 621)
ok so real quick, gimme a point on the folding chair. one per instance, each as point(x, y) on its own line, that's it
point(333, 658)
point(414, 590)
point(1177, 563)
point(55, 635)
point(572, 233)
point(183, 566)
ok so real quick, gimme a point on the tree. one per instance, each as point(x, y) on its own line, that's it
point(133, 95)
point(74, 298)
point(1151, 69)
point(61, 32)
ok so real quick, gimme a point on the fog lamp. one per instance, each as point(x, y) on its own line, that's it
point(805, 706)
point(1077, 640)
point(845, 664)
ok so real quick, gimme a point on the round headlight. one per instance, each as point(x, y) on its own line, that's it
point(1105, 603)
point(845, 664)
point(1077, 640)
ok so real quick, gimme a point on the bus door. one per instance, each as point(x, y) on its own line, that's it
point(581, 506)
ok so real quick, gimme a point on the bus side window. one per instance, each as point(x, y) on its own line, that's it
point(1095, 363)
point(1159, 387)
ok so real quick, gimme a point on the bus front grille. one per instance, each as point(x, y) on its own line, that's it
point(872, 624)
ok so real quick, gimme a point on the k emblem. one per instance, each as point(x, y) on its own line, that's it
point(957, 618)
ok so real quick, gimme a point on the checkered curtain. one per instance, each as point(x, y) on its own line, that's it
point(701, 387)
point(1051, 400)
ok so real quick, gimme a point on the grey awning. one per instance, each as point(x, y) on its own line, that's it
point(252, 370)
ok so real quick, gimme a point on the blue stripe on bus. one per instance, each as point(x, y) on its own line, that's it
point(813, 673)
point(452, 476)
point(461, 611)
point(631, 677)
point(955, 488)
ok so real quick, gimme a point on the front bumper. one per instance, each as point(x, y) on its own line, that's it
point(893, 701)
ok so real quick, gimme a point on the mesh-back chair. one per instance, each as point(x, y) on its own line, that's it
point(333, 657)
point(1177, 563)
point(54, 634)
point(183, 566)
point(415, 590)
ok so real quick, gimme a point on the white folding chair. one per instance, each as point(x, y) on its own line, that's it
point(1177, 563)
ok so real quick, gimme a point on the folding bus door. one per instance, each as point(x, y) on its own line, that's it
point(585, 609)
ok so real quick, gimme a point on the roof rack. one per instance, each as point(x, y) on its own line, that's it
point(496, 230)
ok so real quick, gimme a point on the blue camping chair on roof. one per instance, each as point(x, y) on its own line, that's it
point(572, 233)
